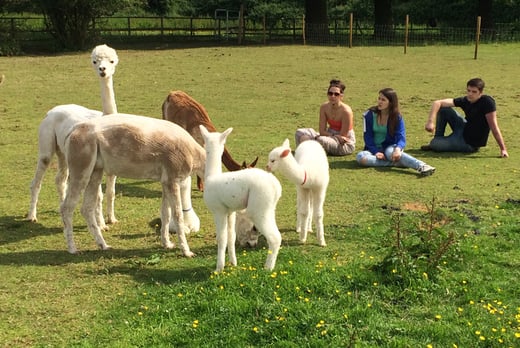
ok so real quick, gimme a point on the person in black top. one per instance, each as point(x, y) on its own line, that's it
point(469, 133)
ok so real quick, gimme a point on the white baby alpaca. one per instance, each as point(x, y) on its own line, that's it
point(225, 193)
point(308, 169)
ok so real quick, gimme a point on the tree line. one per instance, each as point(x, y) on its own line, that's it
point(71, 22)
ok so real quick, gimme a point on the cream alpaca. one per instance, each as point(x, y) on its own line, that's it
point(309, 171)
point(182, 109)
point(134, 147)
point(58, 123)
point(225, 193)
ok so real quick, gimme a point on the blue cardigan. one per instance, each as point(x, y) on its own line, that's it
point(398, 139)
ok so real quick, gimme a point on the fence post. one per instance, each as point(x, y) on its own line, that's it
point(264, 30)
point(303, 29)
point(477, 37)
point(406, 32)
point(351, 26)
point(128, 23)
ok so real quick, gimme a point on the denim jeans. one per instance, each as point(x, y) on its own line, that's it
point(455, 141)
point(367, 159)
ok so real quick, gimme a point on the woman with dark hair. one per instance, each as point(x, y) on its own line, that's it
point(336, 124)
point(385, 136)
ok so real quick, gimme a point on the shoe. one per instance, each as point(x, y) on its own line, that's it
point(426, 148)
point(426, 170)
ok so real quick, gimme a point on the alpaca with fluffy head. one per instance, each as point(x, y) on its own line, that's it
point(308, 169)
point(134, 147)
point(251, 189)
point(185, 111)
point(59, 122)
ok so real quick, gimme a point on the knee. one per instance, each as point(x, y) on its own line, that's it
point(361, 158)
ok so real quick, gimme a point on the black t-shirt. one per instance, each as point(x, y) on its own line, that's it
point(476, 131)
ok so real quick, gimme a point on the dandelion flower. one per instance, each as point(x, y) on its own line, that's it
point(438, 316)
point(255, 329)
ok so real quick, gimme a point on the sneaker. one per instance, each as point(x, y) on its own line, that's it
point(426, 170)
point(426, 148)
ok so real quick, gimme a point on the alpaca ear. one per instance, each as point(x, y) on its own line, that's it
point(203, 130)
point(286, 143)
point(224, 134)
point(285, 153)
point(253, 164)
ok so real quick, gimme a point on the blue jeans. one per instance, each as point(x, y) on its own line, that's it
point(367, 159)
point(455, 141)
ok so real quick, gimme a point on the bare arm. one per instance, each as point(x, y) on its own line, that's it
point(323, 121)
point(491, 118)
point(441, 103)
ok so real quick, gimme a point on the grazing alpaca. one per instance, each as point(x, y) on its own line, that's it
point(247, 234)
point(309, 170)
point(252, 189)
point(58, 123)
point(134, 147)
point(182, 109)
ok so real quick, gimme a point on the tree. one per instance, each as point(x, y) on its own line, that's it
point(72, 22)
point(383, 22)
point(316, 20)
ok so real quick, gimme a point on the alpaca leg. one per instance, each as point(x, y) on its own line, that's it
point(303, 214)
point(171, 205)
point(318, 218)
point(267, 226)
point(231, 238)
point(200, 183)
point(111, 195)
point(90, 208)
point(36, 186)
point(99, 210)
point(221, 219)
point(61, 176)
point(191, 220)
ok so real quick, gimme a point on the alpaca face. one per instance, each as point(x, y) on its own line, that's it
point(104, 61)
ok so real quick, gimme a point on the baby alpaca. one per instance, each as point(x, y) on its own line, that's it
point(309, 170)
point(247, 234)
point(251, 189)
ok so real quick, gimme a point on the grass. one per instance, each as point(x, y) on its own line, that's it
point(359, 291)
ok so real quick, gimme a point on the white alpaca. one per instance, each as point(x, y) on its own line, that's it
point(309, 170)
point(224, 193)
point(134, 147)
point(58, 123)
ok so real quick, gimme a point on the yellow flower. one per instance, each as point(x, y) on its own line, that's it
point(460, 309)
point(517, 334)
point(179, 295)
point(438, 316)
point(255, 329)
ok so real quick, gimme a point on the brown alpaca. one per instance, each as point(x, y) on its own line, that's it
point(185, 111)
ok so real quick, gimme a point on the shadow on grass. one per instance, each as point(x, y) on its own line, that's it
point(136, 189)
point(14, 229)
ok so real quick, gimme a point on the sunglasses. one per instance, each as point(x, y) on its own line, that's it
point(333, 94)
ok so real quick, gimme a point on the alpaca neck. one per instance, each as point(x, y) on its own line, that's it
point(294, 171)
point(213, 163)
point(108, 98)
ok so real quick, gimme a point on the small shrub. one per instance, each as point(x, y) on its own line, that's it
point(414, 251)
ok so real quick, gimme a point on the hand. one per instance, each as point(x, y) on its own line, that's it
point(504, 154)
point(341, 139)
point(429, 126)
point(380, 156)
point(396, 155)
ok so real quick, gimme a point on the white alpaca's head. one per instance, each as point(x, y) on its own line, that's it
point(277, 155)
point(214, 141)
point(104, 61)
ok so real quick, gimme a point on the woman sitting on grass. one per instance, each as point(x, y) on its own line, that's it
point(336, 124)
point(385, 136)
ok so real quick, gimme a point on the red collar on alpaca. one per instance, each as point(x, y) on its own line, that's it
point(304, 177)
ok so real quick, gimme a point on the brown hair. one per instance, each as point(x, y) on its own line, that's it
point(337, 83)
point(393, 108)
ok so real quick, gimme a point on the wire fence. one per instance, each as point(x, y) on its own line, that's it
point(30, 32)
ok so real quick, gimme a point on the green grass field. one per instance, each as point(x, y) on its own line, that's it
point(453, 282)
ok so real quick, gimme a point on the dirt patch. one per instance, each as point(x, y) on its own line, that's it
point(415, 206)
